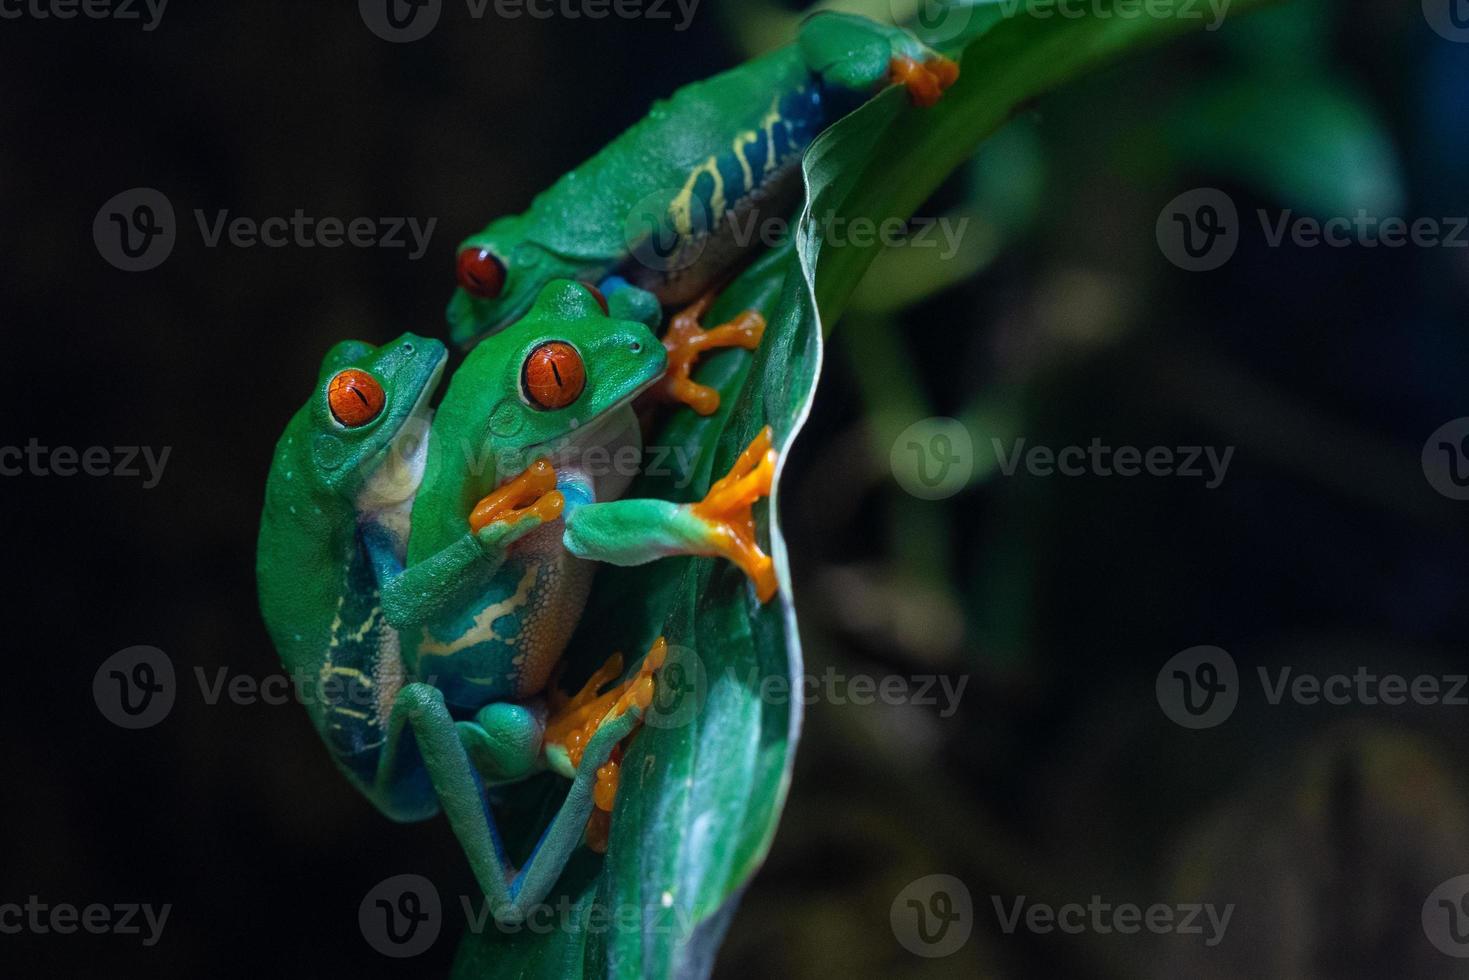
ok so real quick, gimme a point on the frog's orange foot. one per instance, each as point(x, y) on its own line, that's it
point(727, 512)
point(531, 493)
point(687, 340)
point(574, 720)
point(925, 81)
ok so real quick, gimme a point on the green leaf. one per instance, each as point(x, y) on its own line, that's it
point(1313, 143)
point(704, 781)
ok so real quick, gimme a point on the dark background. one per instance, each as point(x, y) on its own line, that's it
point(1058, 777)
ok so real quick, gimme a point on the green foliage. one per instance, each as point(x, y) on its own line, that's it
point(704, 782)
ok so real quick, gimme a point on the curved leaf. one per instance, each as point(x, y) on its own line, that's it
point(703, 783)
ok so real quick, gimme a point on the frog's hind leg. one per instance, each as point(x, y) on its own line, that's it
point(577, 719)
point(420, 708)
point(687, 340)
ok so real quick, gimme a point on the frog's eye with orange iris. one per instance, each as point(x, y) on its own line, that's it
point(355, 397)
point(480, 273)
point(554, 375)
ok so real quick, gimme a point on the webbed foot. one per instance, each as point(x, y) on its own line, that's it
point(686, 341)
point(925, 81)
point(531, 494)
point(575, 720)
point(729, 520)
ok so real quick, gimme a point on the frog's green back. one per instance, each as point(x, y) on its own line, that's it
point(584, 214)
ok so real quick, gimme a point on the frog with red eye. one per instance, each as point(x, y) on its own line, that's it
point(663, 215)
point(530, 451)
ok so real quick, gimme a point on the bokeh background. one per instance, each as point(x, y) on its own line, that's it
point(1056, 599)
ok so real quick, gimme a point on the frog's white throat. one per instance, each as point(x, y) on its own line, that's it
point(605, 455)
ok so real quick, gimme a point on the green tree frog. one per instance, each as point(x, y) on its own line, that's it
point(666, 211)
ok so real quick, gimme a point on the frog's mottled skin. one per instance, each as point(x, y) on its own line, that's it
point(659, 207)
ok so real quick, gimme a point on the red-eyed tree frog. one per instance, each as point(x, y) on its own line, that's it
point(427, 681)
point(665, 213)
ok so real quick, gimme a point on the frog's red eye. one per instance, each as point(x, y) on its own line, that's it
point(355, 397)
point(554, 375)
point(597, 295)
point(480, 273)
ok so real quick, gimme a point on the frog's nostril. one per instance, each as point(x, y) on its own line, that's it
point(636, 347)
point(408, 348)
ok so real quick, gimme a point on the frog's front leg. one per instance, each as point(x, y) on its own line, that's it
point(420, 708)
point(634, 532)
point(418, 593)
point(859, 54)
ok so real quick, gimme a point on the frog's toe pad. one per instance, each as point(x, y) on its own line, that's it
point(531, 494)
point(728, 516)
point(925, 81)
